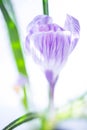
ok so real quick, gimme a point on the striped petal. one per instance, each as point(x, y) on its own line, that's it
point(72, 25)
point(51, 49)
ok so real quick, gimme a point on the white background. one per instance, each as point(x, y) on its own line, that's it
point(72, 80)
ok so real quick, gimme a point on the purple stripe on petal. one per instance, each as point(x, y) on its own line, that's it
point(62, 45)
point(27, 41)
point(66, 39)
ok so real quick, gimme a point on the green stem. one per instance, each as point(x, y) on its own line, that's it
point(49, 115)
point(21, 120)
point(25, 99)
point(51, 98)
point(45, 7)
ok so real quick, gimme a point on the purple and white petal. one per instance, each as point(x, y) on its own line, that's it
point(73, 26)
point(51, 49)
point(37, 22)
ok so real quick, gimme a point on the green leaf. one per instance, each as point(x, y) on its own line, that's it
point(15, 41)
point(5, 6)
point(23, 119)
point(45, 7)
point(10, 10)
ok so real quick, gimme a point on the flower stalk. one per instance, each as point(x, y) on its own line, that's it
point(45, 7)
point(25, 99)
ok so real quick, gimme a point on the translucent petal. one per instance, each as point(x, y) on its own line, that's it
point(51, 49)
point(37, 22)
point(72, 25)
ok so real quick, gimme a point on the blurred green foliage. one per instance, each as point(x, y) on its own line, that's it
point(15, 42)
point(14, 37)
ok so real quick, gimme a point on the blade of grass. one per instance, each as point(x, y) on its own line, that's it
point(16, 46)
point(23, 119)
point(10, 9)
point(15, 41)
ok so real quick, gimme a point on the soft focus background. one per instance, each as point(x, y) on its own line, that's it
point(72, 80)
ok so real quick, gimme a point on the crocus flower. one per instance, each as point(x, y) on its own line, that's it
point(50, 45)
